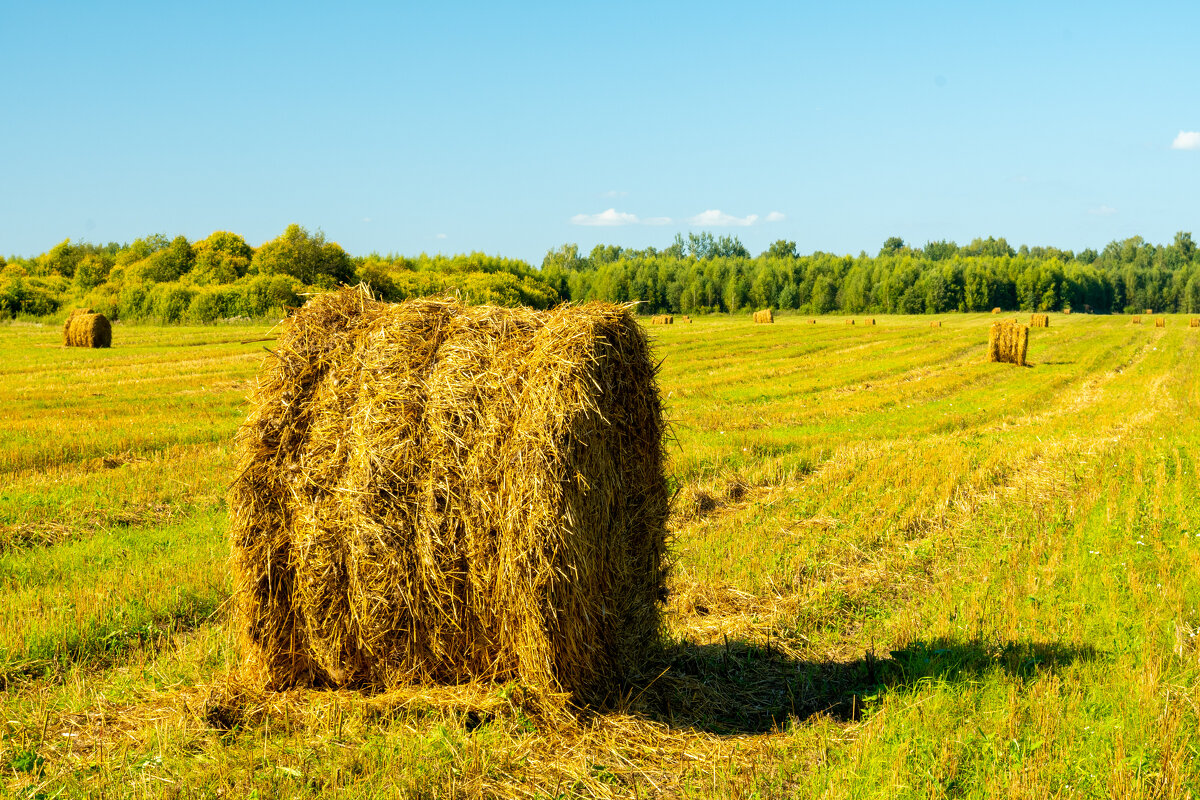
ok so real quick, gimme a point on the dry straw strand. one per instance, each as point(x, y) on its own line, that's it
point(86, 329)
point(433, 493)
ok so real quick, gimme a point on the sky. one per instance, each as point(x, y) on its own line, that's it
point(515, 128)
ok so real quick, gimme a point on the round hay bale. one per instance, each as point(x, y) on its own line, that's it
point(429, 492)
point(85, 329)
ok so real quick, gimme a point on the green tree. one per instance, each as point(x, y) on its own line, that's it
point(307, 257)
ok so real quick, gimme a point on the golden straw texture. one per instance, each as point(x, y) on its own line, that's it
point(85, 329)
point(436, 493)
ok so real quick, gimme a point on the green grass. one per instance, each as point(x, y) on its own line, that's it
point(939, 578)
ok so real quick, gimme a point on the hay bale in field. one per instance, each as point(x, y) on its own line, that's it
point(1039, 320)
point(935, 324)
point(1160, 322)
point(1066, 311)
point(1148, 311)
point(85, 329)
point(1008, 342)
point(1137, 320)
point(764, 316)
point(869, 321)
point(687, 319)
point(662, 319)
point(1194, 322)
point(429, 492)
point(997, 310)
point(849, 322)
point(812, 322)
point(67, 325)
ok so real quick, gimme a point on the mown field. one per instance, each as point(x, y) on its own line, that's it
point(900, 572)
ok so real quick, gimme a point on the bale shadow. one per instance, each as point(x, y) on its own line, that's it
point(741, 687)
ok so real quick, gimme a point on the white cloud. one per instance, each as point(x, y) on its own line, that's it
point(608, 218)
point(719, 219)
point(441, 236)
point(776, 216)
point(1186, 140)
point(1102, 211)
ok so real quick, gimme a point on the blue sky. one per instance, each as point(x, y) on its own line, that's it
point(514, 128)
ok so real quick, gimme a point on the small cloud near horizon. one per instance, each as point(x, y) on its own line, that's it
point(1186, 140)
point(1102, 211)
point(719, 219)
point(612, 218)
point(776, 216)
point(440, 236)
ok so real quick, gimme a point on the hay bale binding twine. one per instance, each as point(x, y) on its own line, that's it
point(435, 493)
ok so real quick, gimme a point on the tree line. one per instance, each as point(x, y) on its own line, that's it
point(163, 279)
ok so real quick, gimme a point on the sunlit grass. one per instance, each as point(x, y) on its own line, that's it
point(941, 577)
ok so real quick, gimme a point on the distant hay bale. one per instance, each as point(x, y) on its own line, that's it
point(997, 310)
point(429, 492)
point(1066, 311)
point(849, 322)
point(1039, 320)
point(75, 312)
point(662, 319)
point(1159, 322)
point(1137, 320)
point(764, 316)
point(1194, 322)
point(812, 322)
point(869, 321)
point(687, 319)
point(935, 324)
point(1008, 342)
point(85, 329)
point(1148, 311)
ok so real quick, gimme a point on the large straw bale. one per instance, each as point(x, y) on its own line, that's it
point(764, 316)
point(1160, 322)
point(1008, 342)
point(1148, 311)
point(1194, 322)
point(85, 329)
point(812, 322)
point(436, 493)
point(1066, 311)
point(1039, 320)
